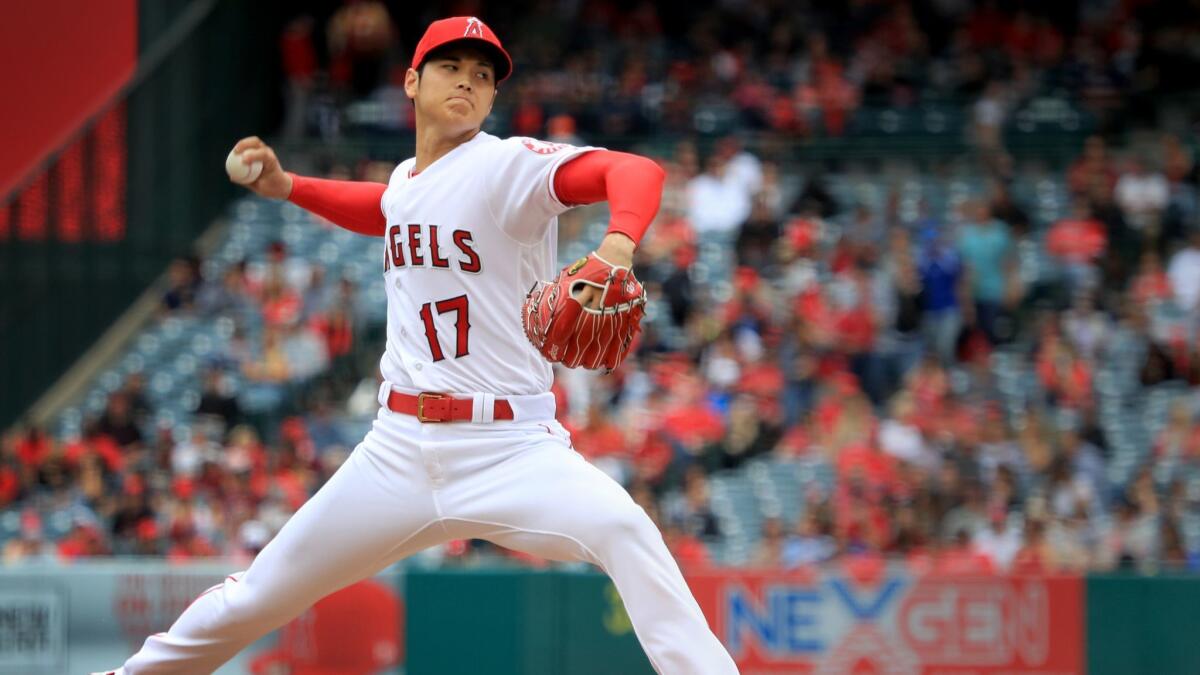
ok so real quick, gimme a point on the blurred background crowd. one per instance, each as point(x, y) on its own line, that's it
point(985, 363)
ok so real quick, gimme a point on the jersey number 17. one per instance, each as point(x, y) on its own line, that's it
point(462, 323)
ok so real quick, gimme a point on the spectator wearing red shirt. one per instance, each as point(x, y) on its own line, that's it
point(602, 442)
point(1066, 377)
point(690, 552)
point(298, 56)
point(83, 541)
point(35, 447)
point(1151, 284)
point(281, 306)
point(962, 559)
point(1079, 240)
point(1093, 170)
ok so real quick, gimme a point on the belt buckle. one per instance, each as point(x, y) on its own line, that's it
point(421, 406)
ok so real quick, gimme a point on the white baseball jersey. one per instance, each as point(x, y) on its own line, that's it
point(466, 239)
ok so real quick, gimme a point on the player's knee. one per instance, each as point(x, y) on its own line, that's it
point(249, 607)
point(625, 525)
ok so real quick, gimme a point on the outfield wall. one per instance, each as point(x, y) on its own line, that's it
point(71, 619)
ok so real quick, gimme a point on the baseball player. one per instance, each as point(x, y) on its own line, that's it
point(465, 444)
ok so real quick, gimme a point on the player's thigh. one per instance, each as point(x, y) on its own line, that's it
point(549, 501)
point(365, 517)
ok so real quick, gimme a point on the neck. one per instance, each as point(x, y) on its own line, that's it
point(432, 145)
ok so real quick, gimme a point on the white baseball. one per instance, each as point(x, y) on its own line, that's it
point(239, 171)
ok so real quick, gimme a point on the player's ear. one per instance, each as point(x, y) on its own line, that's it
point(412, 81)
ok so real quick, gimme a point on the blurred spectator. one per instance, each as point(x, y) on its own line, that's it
point(1151, 285)
point(1184, 273)
point(1035, 555)
point(183, 281)
point(999, 541)
point(941, 272)
point(989, 115)
point(967, 517)
point(298, 57)
point(1079, 240)
point(281, 306)
point(986, 248)
point(603, 443)
point(689, 551)
point(1086, 327)
point(359, 36)
point(271, 363)
point(228, 297)
point(1092, 170)
point(900, 437)
point(747, 435)
point(1142, 195)
point(217, 400)
point(719, 200)
point(29, 546)
point(809, 545)
point(694, 513)
point(561, 129)
point(117, 421)
point(305, 352)
point(1131, 542)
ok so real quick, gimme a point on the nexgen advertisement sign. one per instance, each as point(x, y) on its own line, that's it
point(895, 623)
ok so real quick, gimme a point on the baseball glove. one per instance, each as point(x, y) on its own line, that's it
point(566, 332)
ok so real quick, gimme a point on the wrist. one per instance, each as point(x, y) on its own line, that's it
point(617, 248)
point(291, 184)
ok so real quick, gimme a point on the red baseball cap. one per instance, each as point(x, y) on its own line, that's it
point(462, 28)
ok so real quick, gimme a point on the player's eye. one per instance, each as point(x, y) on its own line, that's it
point(450, 66)
point(483, 76)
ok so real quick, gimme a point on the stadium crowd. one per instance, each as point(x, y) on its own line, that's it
point(862, 339)
point(603, 68)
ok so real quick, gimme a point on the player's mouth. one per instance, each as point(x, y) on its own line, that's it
point(462, 98)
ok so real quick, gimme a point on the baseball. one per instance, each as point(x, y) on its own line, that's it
point(240, 172)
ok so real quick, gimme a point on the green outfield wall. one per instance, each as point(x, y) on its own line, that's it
point(1143, 624)
point(518, 621)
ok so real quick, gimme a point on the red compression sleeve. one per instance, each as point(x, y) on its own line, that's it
point(631, 184)
point(354, 205)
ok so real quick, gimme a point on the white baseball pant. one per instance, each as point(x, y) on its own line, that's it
point(409, 486)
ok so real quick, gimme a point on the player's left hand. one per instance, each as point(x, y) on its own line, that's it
point(590, 314)
point(617, 249)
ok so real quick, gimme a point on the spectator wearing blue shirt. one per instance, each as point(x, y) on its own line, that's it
point(986, 248)
point(940, 270)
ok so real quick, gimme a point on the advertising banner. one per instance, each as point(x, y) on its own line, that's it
point(82, 618)
point(895, 622)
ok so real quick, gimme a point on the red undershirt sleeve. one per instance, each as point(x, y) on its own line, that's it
point(353, 205)
point(631, 184)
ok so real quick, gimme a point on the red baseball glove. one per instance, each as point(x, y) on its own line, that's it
point(566, 332)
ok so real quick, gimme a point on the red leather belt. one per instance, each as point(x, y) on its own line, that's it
point(434, 407)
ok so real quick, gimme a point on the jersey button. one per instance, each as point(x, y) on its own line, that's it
point(418, 366)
